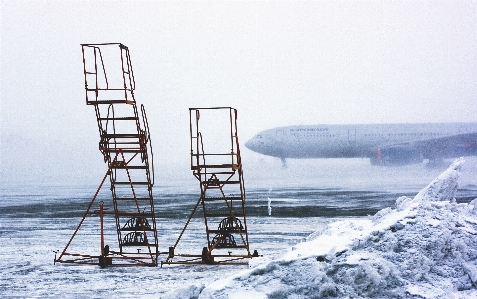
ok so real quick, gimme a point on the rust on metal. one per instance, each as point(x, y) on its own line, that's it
point(217, 165)
point(125, 144)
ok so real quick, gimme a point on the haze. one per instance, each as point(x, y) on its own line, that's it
point(279, 64)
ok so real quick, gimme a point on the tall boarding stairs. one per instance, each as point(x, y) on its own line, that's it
point(125, 144)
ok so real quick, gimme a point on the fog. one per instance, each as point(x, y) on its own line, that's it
point(279, 64)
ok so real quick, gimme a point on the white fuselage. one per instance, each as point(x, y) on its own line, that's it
point(335, 141)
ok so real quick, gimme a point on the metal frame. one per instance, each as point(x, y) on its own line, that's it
point(222, 198)
point(125, 143)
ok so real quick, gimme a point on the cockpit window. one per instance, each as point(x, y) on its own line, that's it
point(259, 136)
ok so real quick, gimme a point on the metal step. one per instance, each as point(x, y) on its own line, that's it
point(231, 247)
point(133, 229)
point(218, 183)
point(130, 135)
point(118, 118)
point(122, 166)
point(122, 149)
point(133, 183)
point(138, 244)
point(106, 102)
point(216, 231)
point(202, 166)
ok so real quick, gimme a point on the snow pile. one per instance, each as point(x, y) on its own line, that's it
point(424, 248)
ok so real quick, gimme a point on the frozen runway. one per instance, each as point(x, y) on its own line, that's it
point(36, 221)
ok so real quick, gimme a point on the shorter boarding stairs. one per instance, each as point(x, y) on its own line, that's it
point(217, 165)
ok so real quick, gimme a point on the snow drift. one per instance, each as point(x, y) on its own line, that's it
point(426, 247)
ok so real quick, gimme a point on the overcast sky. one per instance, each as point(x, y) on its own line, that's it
point(278, 63)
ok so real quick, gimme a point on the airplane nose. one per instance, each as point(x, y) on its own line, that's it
point(252, 144)
point(256, 144)
point(249, 144)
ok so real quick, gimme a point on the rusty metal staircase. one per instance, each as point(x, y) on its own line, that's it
point(217, 165)
point(125, 143)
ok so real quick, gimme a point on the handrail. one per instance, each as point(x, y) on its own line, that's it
point(105, 89)
point(202, 147)
point(148, 138)
point(104, 69)
point(101, 44)
point(130, 70)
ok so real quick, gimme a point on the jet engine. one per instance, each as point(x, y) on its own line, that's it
point(395, 156)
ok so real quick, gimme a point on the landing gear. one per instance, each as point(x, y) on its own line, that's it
point(284, 163)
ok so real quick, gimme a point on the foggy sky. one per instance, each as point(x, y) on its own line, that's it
point(279, 64)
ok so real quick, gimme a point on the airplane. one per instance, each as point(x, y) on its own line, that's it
point(383, 144)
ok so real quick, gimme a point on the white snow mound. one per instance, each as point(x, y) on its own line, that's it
point(424, 248)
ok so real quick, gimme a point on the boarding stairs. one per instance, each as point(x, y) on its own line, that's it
point(217, 165)
point(125, 144)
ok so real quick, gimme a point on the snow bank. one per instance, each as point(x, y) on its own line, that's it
point(426, 247)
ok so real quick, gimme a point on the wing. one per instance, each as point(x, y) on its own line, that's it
point(437, 148)
point(448, 147)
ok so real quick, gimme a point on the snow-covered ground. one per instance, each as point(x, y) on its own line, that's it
point(425, 247)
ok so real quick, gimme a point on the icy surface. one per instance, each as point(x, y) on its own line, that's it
point(325, 214)
point(425, 247)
